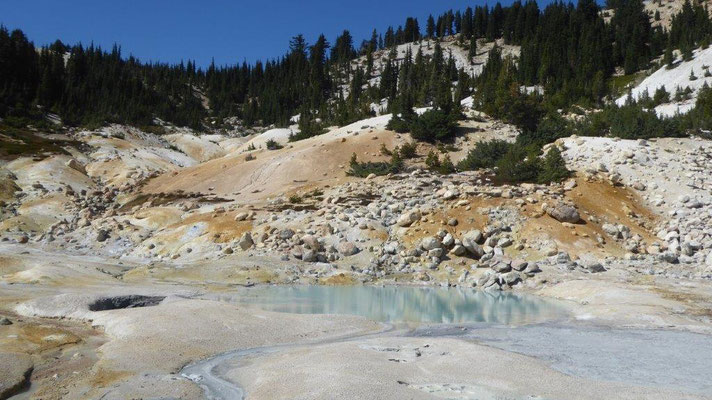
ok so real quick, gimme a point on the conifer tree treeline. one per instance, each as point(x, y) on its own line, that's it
point(690, 28)
point(569, 50)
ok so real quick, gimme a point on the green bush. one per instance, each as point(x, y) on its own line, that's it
point(364, 169)
point(432, 125)
point(433, 163)
point(409, 150)
point(308, 127)
point(550, 128)
point(630, 121)
point(519, 164)
point(516, 163)
point(273, 145)
point(699, 119)
point(553, 167)
point(484, 155)
point(398, 124)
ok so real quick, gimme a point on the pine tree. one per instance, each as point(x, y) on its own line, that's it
point(668, 58)
point(430, 27)
point(473, 51)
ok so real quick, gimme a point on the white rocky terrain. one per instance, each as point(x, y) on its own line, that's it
point(693, 74)
point(118, 259)
point(450, 47)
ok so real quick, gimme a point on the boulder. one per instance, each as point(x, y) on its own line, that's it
point(76, 165)
point(501, 267)
point(408, 218)
point(430, 243)
point(437, 253)
point(487, 279)
point(519, 265)
point(532, 268)
point(448, 240)
point(102, 235)
point(611, 230)
point(312, 242)
point(511, 278)
point(469, 241)
point(564, 213)
point(241, 216)
point(458, 250)
point(475, 235)
point(592, 266)
point(246, 241)
point(348, 249)
point(309, 255)
point(286, 234)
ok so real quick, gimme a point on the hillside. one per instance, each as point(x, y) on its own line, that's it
point(667, 9)
point(692, 74)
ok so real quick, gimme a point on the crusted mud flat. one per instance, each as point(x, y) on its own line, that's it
point(157, 350)
point(466, 362)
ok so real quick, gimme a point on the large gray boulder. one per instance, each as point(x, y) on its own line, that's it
point(430, 243)
point(309, 255)
point(246, 241)
point(348, 249)
point(470, 242)
point(564, 213)
point(312, 242)
point(77, 166)
point(286, 234)
point(408, 218)
point(102, 235)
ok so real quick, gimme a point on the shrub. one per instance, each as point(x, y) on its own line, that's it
point(431, 126)
point(550, 128)
point(308, 127)
point(516, 163)
point(630, 121)
point(295, 199)
point(273, 145)
point(484, 155)
point(661, 96)
point(398, 124)
point(409, 150)
point(519, 164)
point(433, 163)
point(553, 167)
point(364, 169)
point(446, 166)
point(699, 118)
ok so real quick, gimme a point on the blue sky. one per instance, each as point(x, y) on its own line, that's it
point(228, 31)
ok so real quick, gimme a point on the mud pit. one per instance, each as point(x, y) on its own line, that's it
point(120, 302)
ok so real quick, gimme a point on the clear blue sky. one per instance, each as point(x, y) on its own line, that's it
point(228, 31)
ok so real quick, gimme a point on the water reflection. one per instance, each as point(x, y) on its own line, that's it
point(401, 304)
